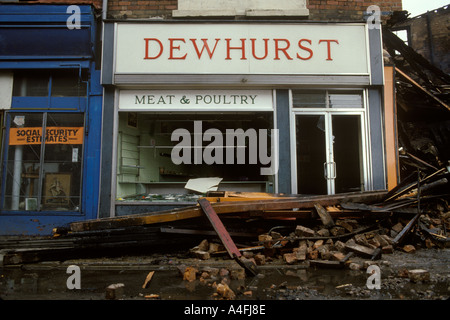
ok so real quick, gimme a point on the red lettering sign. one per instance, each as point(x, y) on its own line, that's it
point(260, 48)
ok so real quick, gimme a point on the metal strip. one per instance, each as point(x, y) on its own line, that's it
point(241, 79)
point(219, 228)
point(224, 236)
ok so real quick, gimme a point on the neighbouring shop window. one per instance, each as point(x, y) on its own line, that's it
point(56, 83)
point(43, 162)
point(309, 99)
point(336, 99)
point(147, 171)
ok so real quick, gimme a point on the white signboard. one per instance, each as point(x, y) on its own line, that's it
point(196, 100)
point(241, 48)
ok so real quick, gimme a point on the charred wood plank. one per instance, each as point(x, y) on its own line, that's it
point(423, 89)
point(398, 239)
point(225, 207)
point(360, 250)
point(325, 217)
point(205, 232)
point(417, 61)
point(413, 185)
point(23, 256)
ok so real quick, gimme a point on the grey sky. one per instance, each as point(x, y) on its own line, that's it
point(416, 7)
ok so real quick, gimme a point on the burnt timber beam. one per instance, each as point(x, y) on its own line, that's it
point(423, 89)
point(223, 208)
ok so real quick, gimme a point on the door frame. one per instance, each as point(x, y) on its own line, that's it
point(328, 113)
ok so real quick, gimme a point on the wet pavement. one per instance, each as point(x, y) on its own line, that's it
point(275, 281)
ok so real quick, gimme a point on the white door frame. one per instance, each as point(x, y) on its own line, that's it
point(330, 166)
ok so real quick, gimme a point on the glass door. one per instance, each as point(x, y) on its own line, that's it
point(329, 152)
point(311, 153)
point(347, 154)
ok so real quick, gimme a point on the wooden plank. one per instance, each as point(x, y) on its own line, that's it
point(259, 195)
point(148, 279)
point(413, 185)
point(423, 89)
point(225, 207)
point(205, 232)
point(421, 161)
point(22, 256)
point(325, 217)
point(298, 203)
point(398, 239)
point(326, 264)
point(233, 199)
point(360, 250)
point(136, 220)
point(390, 129)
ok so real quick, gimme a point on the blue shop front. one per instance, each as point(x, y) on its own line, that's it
point(51, 109)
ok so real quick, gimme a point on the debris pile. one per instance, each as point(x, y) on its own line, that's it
point(258, 228)
point(423, 105)
point(345, 234)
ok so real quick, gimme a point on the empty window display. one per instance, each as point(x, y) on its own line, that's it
point(157, 154)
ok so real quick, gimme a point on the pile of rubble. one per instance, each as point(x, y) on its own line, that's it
point(335, 245)
point(321, 230)
point(340, 234)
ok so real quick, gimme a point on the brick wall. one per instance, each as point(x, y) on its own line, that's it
point(141, 9)
point(319, 9)
point(430, 37)
point(348, 10)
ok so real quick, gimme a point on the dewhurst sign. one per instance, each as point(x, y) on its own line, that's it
point(200, 100)
point(241, 48)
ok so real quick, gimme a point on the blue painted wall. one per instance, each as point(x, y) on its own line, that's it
point(36, 36)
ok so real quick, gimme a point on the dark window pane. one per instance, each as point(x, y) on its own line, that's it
point(345, 99)
point(31, 84)
point(309, 99)
point(63, 161)
point(68, 84)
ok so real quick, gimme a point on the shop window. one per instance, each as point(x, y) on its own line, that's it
point(309, 99)
point(68, 84)
point(335, 99)
point(345, 99)
point(147, 171)
point(58, 83)
point(33, 84)
point(43, 162)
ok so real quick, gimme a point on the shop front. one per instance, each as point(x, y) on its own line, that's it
point(293, 108)
point(51, 112)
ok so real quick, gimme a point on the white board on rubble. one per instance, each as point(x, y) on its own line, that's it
point(203, 185)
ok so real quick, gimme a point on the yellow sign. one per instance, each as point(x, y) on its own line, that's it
point(53, 135)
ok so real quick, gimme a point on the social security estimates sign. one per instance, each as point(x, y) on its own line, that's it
point(53, 135)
